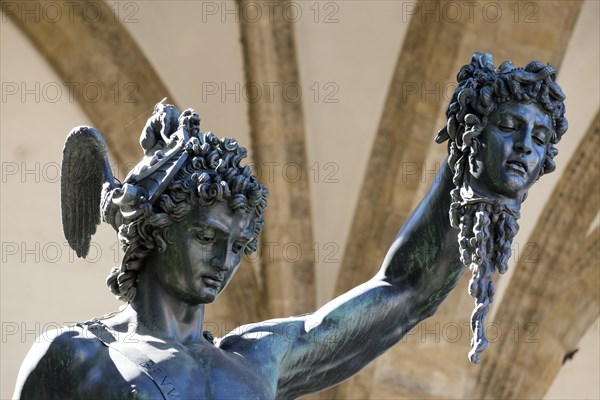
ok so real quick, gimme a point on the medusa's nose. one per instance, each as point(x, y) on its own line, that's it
point(524, 141)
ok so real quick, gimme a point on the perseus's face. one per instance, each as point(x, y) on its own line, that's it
point(512, 150)
point(204, 251)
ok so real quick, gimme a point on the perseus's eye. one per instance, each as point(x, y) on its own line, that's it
point(204, 235)
point(205, 239)
point(239, 245)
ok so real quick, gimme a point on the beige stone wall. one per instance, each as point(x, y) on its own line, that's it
point(346, 53)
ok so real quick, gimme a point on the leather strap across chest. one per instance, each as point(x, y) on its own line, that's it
point(148, 367)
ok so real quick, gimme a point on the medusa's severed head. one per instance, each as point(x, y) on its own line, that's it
point(481, 94)
point(183, 170)
point(502, 127)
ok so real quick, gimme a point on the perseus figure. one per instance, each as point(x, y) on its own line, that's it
point(189, 211)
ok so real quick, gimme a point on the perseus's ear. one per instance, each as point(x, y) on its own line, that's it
point(163, 238)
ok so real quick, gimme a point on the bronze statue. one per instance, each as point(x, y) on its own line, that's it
point(189, 211)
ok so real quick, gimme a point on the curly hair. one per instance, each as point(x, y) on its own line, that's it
point(487, 226)
point(212, 173)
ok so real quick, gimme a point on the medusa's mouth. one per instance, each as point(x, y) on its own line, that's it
point(518, 165)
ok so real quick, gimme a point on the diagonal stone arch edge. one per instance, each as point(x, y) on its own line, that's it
point(278, 138)
point(406, 127)
point(554, 300)
point(103, 67)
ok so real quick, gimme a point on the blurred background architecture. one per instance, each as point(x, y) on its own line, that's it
point(324, 94)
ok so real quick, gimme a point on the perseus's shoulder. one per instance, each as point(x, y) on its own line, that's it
point(57, 360)
point(71, 346)
point(266, 337)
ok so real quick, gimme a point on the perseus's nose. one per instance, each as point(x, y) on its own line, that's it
point(224, 263)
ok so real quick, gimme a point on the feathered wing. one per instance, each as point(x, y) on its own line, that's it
point(85, 169)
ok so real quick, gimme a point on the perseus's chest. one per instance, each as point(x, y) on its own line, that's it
point(158, 370)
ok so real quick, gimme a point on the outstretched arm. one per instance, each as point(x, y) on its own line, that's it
point(421, 267)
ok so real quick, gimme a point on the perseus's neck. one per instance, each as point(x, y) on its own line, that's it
point(160, 314)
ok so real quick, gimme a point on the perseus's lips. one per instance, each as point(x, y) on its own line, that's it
point(212, 281)
point(518, 165)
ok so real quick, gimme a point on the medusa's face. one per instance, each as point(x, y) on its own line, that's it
point(512, 150)
point(204, 252)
